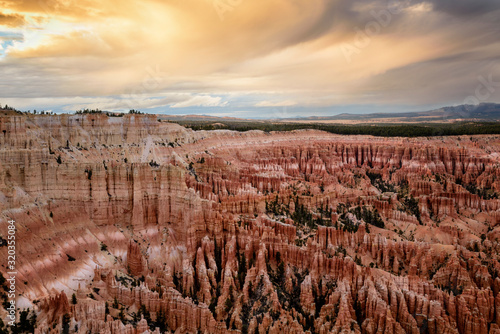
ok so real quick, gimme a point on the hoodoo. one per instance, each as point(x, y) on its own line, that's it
point(131, 225)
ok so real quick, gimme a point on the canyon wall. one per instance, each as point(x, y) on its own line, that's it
point(131, 225)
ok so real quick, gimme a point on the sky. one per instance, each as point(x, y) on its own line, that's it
point(249, 58)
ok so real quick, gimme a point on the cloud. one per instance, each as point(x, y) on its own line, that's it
point(204, 100)
point(116, 103)
point(11, 20)
point(466, 8)
point(263, 53)
point(276, 104)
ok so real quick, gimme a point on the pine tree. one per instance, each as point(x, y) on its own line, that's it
point(65, 323)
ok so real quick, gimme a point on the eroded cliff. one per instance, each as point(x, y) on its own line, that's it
point(128, 225)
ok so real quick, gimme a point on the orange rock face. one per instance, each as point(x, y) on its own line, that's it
point(130, 225)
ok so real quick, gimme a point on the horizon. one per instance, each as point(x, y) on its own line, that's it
point(282, 116)
point(320, 58)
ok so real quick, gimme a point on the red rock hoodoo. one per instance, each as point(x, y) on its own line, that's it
point(130, 225)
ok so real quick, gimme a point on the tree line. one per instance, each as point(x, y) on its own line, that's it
point(380, 130)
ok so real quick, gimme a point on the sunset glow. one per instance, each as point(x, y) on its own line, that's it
point(245, 57)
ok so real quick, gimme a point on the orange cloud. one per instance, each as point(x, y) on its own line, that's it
point(11, 20)
point(293, 51)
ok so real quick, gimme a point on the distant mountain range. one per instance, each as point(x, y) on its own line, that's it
point(484, 112)
point(481, 112)
point(200, 118)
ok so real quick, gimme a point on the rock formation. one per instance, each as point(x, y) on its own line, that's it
point(130, 225)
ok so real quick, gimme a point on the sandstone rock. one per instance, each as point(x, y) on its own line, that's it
point(217, 232)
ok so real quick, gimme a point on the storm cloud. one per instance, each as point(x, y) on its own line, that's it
point(246, 55)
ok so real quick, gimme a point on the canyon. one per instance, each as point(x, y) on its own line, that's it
point(136, 225)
